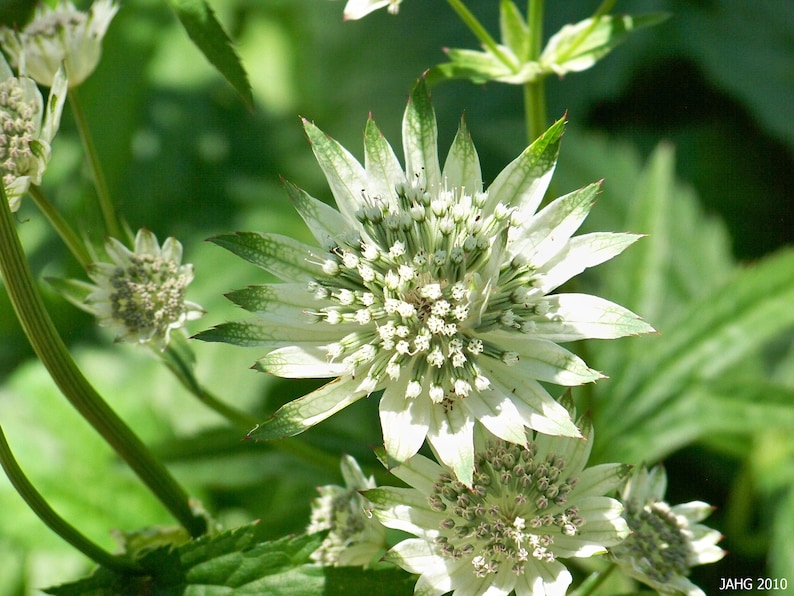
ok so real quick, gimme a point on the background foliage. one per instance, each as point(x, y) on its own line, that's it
point(712, 395)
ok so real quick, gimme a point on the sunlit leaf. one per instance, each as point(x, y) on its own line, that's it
point(202, 26)
point(515, 33)
point(239, 560)
point(579, 46)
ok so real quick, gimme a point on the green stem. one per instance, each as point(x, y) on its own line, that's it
point(51, 350)
point(535, 91)
point(112, 225)
point(593, 586)
point(535, 109)
point(178, 358)
point(481, 33)
point(54, 521)
point(65, 231)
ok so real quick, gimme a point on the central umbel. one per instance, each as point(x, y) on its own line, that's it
point(413, 282)
point(513, 512)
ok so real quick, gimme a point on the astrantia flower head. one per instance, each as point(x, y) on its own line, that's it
point(666, 542)
point(355, 537)
point(529, 506)
point(27, 128)
point(356, 9)
point(141, 294)
point(431, 288)
point(61, 35)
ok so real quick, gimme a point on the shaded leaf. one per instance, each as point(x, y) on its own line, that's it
point(345, 581)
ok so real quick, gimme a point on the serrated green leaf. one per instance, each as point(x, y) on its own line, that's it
point(207, 33)
point(347, 581)
point(478, 67)
point(579, 46)
point(481, 67)
point(515, 32)
point(238, 561)
point(284, 257)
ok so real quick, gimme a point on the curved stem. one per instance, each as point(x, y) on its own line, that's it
point(51, 350)
point(480, 32)
point(54, 521)
point(112, 225)
point(62, 227)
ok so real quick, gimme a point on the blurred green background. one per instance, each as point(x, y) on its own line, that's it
point(184, 157)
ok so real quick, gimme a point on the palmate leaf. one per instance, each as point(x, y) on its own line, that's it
point(698, 379)
point(710, 318)
point(714, 335)
point(573, 48)
point(207, 33)
point(240, 562)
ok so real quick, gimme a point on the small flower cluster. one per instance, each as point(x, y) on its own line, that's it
point(27, 128)
point(141, 294)
point(439, 292)
point(355, 537)
point(528, 507)
point(666, 542)
point(60, 35)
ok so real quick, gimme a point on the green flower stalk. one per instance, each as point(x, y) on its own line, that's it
point(431, 288)
point(55, 522)
point(27, 128)
point(529, 507)
point(355, 538)
point(666, 542)
point(60, 35)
